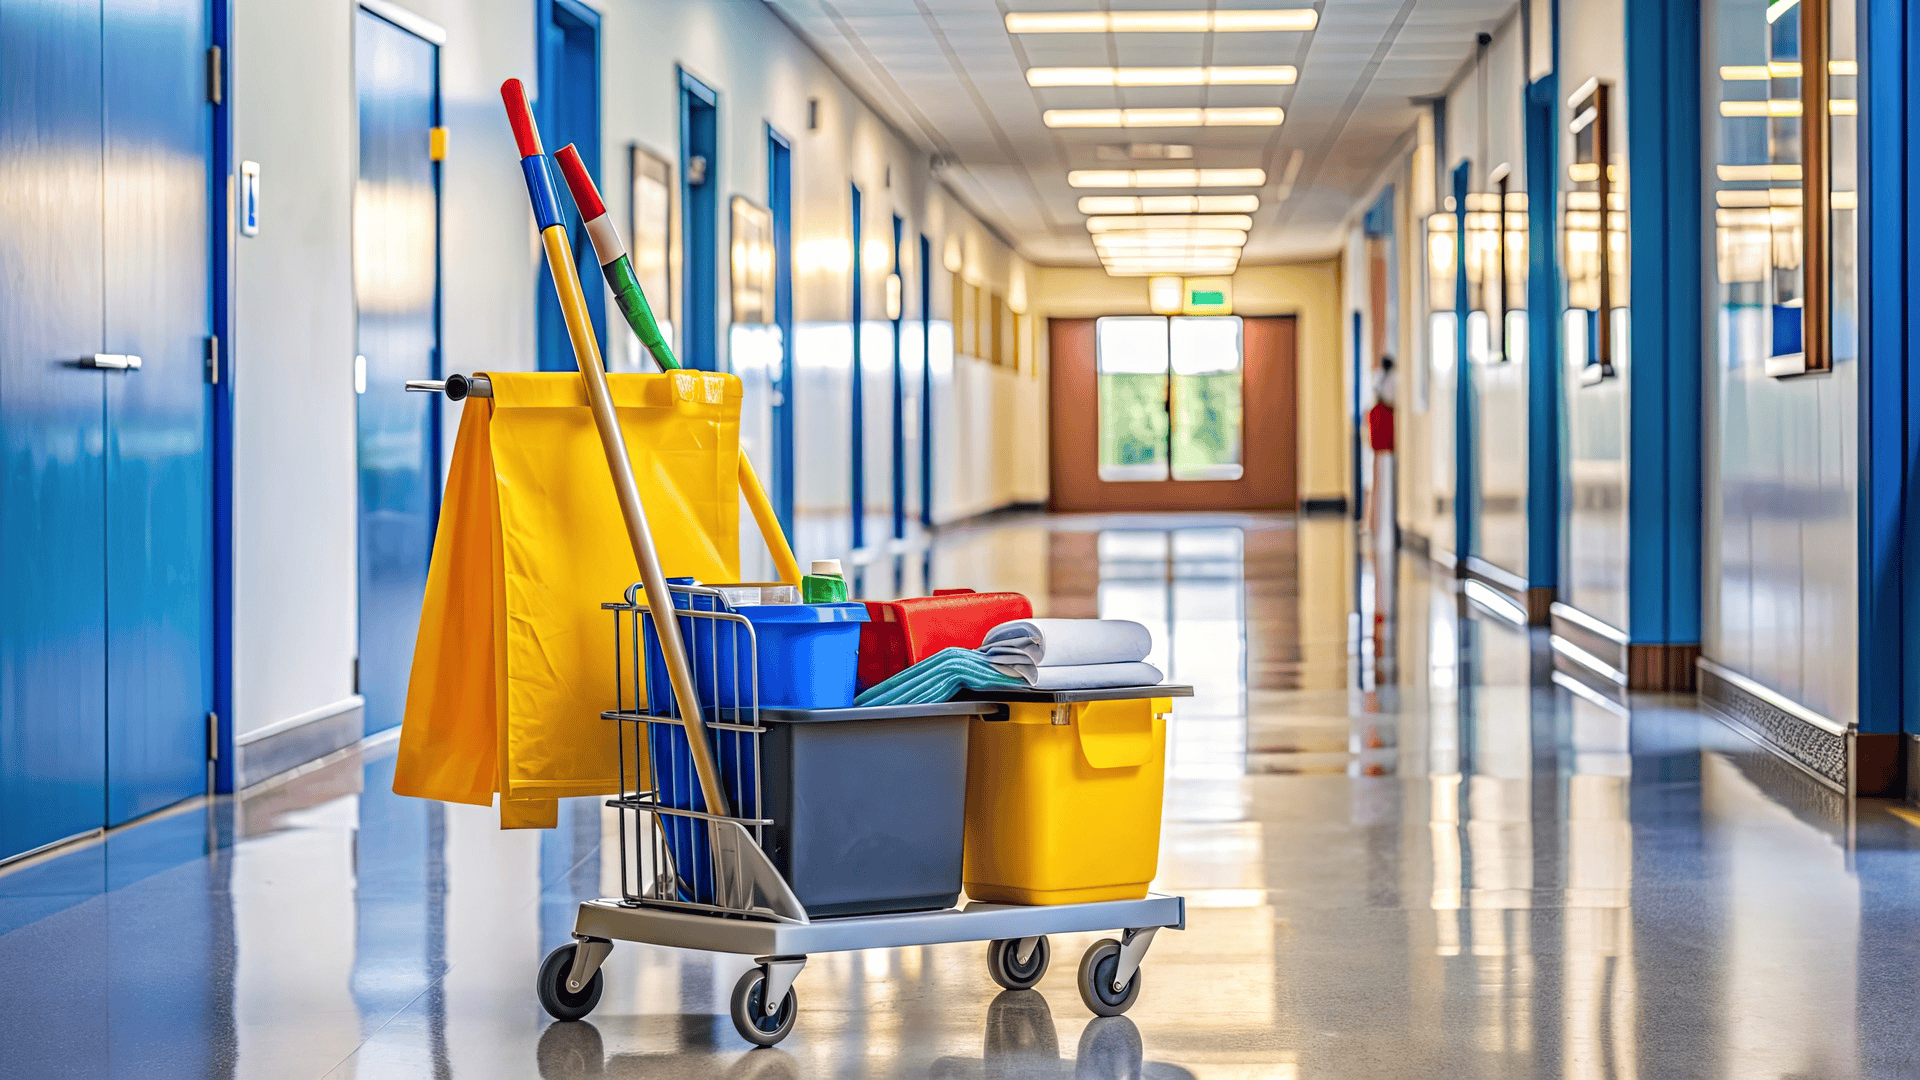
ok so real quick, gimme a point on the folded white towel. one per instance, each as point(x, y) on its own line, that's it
point(1053, 643)
point(1085, 676)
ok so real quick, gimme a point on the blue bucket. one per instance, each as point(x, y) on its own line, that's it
point(808, 659)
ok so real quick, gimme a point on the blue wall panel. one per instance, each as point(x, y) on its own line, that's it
point(1664, 391)
point(52, 559)
point(1544, 459)
point(1463, 438)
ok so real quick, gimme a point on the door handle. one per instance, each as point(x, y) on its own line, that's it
point(112, 361)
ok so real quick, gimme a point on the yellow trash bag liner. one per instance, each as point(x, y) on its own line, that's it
point(514, 662)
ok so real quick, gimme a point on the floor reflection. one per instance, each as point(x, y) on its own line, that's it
point(1408, 851)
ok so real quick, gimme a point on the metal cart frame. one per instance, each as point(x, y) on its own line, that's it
point(730, 898)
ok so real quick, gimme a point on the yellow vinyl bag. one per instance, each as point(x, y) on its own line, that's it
point(514, 662)
point(1063, 801)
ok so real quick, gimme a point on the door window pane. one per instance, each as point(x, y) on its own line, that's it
point(1205, 354)
point(1132, 365)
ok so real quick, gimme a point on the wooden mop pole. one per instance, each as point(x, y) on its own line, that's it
point(586, 352)
point(632, 302)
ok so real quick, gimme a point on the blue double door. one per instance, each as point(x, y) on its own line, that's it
point(105, 506)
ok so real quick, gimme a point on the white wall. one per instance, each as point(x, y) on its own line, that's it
point(295, 472)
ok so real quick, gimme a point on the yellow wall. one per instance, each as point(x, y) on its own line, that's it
point(1309, 291)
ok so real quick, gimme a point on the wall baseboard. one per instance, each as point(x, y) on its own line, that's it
point(1539, 605)
point(1822, 748)
point(1416, 543)
point(294, 742)
point(1662, 668)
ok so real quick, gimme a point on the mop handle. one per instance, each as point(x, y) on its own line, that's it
point(586, 352)
point(632, 301)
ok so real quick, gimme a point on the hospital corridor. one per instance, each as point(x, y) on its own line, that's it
point(1205, 539)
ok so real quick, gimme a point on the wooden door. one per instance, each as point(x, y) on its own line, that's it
point(1268, 480)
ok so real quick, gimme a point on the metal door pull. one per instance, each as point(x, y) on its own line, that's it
point(456, 387)
point(115, 361)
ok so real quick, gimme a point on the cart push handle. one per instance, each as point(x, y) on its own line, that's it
point(586, 352)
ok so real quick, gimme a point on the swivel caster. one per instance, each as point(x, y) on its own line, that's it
point(1017, 963)
point(772, 981)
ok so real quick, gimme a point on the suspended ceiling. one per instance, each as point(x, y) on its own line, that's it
point(949, 74)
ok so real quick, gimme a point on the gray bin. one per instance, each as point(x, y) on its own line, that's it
point(868, 805)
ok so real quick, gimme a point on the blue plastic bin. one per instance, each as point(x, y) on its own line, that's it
point(808, 658)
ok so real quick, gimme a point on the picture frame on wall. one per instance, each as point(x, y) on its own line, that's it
point(751, 261)
point(1593, 229)
point(650, 225)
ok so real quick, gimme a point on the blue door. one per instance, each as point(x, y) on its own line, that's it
point(159, 509)
point(568, 111)
point(53, 647)
point(105, 587)
point(700, 220)
point(780, 206)
point(396, 287)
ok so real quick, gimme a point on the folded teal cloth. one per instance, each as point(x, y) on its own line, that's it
point(940, 676)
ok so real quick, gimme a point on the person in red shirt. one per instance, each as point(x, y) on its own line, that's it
point(1380, 439)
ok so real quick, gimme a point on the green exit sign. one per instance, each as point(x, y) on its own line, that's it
point(1210, 298)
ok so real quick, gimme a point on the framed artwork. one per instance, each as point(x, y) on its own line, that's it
point(1595, 234)
point(751, 259)
point(650, 205)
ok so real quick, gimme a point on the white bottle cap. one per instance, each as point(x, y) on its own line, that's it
point(826, 566)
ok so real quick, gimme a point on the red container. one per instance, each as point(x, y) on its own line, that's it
point(900, 633)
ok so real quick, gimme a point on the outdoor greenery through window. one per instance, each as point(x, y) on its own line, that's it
point(1170, 398)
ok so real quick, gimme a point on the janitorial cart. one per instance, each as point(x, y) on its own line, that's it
point(761, 814)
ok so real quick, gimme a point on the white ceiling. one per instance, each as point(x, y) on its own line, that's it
point(948, 74)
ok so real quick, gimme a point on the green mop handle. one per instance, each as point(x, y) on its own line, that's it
point(614, 263)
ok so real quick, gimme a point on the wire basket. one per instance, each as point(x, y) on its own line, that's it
point(674, 852)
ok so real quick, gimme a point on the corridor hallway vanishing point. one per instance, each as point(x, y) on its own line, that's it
point(1437, 861)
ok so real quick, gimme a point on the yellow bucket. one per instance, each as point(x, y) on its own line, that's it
point(1063, 802)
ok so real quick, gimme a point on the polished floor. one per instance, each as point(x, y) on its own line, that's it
point(1407, 849)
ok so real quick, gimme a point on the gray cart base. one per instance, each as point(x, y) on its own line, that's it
point(763, 1004)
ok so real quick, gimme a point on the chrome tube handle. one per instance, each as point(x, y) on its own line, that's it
point(456, 387)
point(111, 361)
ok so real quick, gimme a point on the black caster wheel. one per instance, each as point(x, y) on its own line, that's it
point(749, 1010)
point(1097, 970)
point(561, 1003)
point(1003, 963)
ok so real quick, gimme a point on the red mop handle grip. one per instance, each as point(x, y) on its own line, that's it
point(520, 114)
point(585, 195)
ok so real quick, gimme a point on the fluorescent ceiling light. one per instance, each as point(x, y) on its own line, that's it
point(1166, 178)
point(1281, 20)
point(1271, 75)
point(1256, 116)
point(1758, 172)
point(1156, 238)
point(1129, 222)
point(1782, 69)
point(1785, 107)
point(1169, 204)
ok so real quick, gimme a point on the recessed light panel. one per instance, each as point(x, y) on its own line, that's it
point(1258, 116)
point(1169, 204)
point(1280, 20)
point(1271, 75)
point(1166, 178)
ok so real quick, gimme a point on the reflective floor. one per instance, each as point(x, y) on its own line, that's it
point(1407, 852)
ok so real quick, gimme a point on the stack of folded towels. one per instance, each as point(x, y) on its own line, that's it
point(1028, 654)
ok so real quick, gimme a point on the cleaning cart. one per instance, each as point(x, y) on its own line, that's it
point(846, 833)
point(778, 832)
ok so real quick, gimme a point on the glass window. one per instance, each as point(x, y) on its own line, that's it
point(1170, 398)
point(1132, 365)
point(1206, 359)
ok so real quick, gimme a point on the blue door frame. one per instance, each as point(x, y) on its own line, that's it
point(926, 381)
point(857, 444)
point(1353, 407)
point(899, 395)
point(780, 206)
point(700, 220)
point(568, 111)
point(221, 414)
